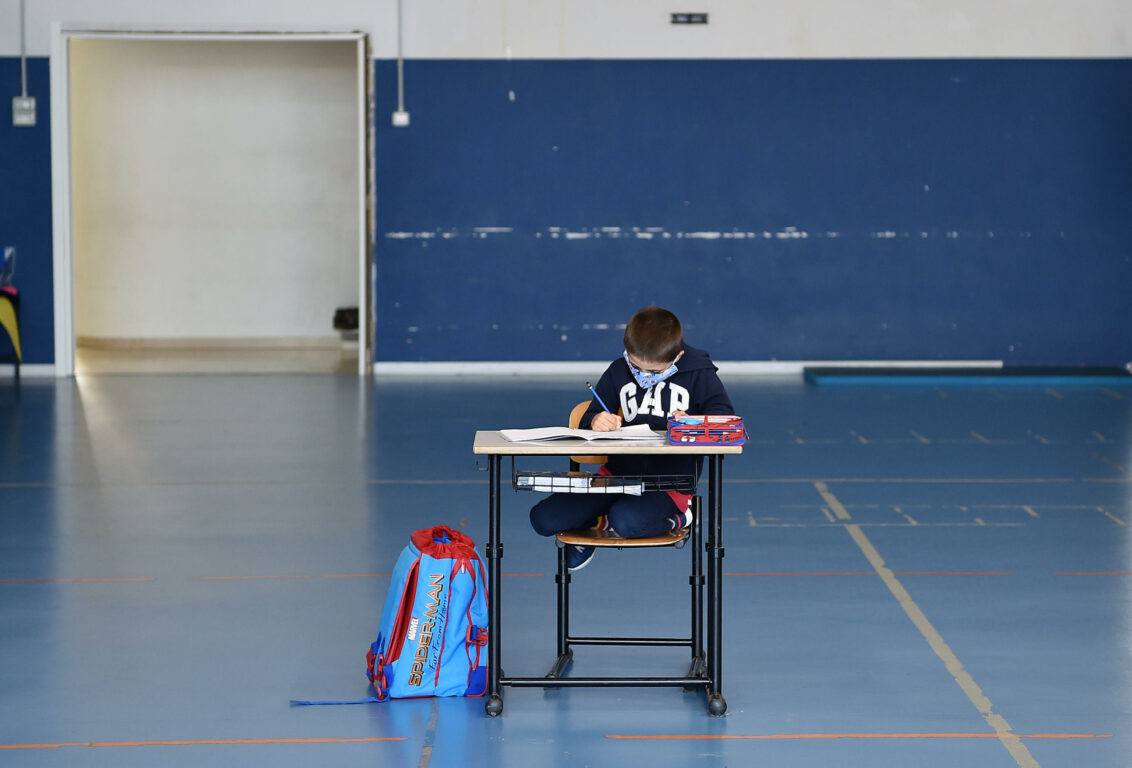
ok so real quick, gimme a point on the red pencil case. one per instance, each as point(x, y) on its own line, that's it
point(706, 430)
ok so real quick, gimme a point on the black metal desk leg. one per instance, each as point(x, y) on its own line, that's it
point(717, 706)
point(494, 704)
point(698, 584)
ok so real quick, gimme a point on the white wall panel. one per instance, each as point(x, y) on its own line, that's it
point(636, 28)
point(215, 187)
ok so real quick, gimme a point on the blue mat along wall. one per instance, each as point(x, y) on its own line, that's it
point(967, 209)
point(25, 208)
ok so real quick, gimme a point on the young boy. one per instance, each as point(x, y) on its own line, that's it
point(658, 376)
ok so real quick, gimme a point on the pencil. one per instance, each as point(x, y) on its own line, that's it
point(600, 402)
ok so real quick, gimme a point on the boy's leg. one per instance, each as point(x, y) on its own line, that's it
point(567, 511)
point(636, 517)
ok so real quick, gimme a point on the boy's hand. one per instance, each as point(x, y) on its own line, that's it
point(679, 414)
point(605, 422)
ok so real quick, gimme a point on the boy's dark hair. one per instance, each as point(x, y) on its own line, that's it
point(654, 335)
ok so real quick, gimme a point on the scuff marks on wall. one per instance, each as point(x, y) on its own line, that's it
point(660, 233)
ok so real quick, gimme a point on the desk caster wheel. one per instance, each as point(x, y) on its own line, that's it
point(494, 706)
point(716, 705)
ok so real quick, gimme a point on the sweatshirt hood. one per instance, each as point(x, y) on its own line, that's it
point(694, 360)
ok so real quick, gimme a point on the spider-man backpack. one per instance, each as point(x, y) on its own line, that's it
point(432, 640)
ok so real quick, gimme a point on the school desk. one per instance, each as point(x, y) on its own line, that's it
point(496, 448)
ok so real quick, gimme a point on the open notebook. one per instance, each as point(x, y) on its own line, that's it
point(635, 432)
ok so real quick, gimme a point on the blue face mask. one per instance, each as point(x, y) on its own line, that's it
point(649, 380)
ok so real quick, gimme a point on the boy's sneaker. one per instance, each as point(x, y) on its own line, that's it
point(681, 520)
point(577, 557)
point(602, 524)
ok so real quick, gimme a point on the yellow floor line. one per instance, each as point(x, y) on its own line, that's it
point(1114, 518)
point(967, 684)
point(1113, 464)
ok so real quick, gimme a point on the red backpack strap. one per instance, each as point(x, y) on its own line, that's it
point(405, 610)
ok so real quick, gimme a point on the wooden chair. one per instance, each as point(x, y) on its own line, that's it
point(607, 539)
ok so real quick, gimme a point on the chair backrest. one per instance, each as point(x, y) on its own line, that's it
point(576, 414)
point(575, 420)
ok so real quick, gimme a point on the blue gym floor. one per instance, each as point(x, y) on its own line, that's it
point(914, 576)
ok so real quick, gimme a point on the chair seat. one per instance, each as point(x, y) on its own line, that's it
point(593, 538)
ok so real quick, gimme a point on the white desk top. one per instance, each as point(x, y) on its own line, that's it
point(491, 442)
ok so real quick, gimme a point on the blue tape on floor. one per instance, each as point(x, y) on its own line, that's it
point(981, 377)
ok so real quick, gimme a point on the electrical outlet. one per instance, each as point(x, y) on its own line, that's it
point(400, 118)
point(23, 111)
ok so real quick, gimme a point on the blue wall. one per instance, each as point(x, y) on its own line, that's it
point(25, 208)
point(974, 209)
point(951, 209)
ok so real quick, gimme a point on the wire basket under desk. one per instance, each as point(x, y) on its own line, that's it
point(584, 482)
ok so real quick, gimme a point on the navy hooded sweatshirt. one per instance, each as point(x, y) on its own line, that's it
point(695, 388)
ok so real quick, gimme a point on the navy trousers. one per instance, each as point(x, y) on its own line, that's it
point(633, 517)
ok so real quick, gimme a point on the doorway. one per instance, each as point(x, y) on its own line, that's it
point(217, 203)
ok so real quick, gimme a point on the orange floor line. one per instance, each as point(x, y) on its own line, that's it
point(329, 576)
point(74, 581)
point(802, 736)
point(865, 573)
point(951, 573)
point(799, 573)
point(294, 576)
point(1094, 573)
point(200, 742)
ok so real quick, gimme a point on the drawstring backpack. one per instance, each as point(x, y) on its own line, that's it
point(432, 639)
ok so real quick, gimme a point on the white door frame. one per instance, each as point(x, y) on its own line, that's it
point(61, 190)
